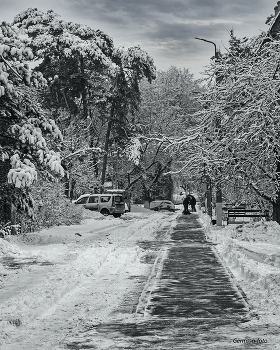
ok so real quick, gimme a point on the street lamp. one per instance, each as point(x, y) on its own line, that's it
point(211, 42)
point(219, 200)
point(207, 189)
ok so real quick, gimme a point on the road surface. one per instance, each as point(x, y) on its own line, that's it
point(146, 281)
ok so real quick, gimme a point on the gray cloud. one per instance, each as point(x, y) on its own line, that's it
point(182, 31)
point(166, 19)
point(165, 28)
point(128, 11)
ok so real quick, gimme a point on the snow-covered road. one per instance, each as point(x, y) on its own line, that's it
point(56, 279)
point(88, 286)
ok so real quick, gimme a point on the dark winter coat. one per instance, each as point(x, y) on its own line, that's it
point(189, 200)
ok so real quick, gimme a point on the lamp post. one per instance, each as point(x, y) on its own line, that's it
point(219, 196)
point(211, 42)
point(207, 189)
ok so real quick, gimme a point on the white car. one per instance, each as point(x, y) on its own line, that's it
point(82, 199)
point(89, 201)
point(105, 203)
point(162, 205)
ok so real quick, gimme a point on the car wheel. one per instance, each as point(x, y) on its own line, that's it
point(117, 215)
point(105, 212)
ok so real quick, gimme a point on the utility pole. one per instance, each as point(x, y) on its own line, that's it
point(219, 195)
point(207, 189)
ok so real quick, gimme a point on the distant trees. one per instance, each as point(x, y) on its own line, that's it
point(132, 66)
point(102, 98)
point(237, 141)
point(247, 105)
point(93, 90)
point(167, 109)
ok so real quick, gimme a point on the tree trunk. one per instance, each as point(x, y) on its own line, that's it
point(276, 204)
point(276, 209)
point(106, 148)
point(72, 187)
point(83, 88)
point(146, 204)
point(91, 133)
point(147, 196)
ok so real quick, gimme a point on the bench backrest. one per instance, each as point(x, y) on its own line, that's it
point(247, 212)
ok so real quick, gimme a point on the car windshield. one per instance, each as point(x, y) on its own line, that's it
point(82, 200)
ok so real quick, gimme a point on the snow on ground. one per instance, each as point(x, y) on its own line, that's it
point(252, 252)
point(49, 279)
point(52, 279)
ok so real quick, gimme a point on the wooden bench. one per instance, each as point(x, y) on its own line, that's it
point(246, 213)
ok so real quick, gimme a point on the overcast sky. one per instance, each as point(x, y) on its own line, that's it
point(166, 29)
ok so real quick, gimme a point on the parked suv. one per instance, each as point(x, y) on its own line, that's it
point(125, 194)
point(106, 204)
point(111, 204)
point(82, 199)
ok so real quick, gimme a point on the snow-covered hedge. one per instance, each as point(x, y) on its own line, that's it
point(52, 208)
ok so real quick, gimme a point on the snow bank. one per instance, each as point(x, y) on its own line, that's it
point(10, 251)
point(260, 231)
point(252, 252)
point(7, 248)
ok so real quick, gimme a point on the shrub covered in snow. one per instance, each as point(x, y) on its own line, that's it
point(51, 208)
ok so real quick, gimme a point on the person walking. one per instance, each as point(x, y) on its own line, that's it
point(192, 201)
point(186, 203)
point(189, 200)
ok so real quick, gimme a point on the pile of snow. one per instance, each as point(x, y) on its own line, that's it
point(252, 253)
point(260, 231)
point(9, 251)
point(91, 214)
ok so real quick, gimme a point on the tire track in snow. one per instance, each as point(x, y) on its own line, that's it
point(39, 304)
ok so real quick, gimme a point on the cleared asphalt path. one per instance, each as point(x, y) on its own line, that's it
point(193, 302)
point(194, 282)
